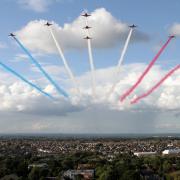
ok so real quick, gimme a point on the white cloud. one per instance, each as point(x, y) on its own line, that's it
point(175, 29)
point(36, 5)
point(17, 94)
point(53, 70)
point(107, 32)
point(32, 112)
point(21, 57)
point(2, 45)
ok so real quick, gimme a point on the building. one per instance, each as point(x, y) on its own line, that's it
point(171, 151)
point(87, 174)
point(41, 165)
point(145, 153)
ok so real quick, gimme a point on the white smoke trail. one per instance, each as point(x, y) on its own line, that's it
point(120, 63)
point(69, 72)
point(91, 62)
point(92, 68)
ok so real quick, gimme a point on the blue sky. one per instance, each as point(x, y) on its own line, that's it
point(30, 112)
point(153, 18)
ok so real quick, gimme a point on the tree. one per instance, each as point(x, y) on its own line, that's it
point(79, 177)
point(68, 163)
point(34, 174)
point(166, 166)
point(22, 169)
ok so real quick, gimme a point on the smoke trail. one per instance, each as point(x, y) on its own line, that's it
point(156, 86)
point(61, 91)
point(92, 68)
point(69, 72)
point(26, 81)
point(127, 93)
point(120, 62)
point(91, 62)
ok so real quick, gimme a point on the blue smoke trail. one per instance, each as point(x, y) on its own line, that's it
point(61, 91)
point(25, 80)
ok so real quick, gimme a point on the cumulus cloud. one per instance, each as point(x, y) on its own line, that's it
point(107, 32)
point(15, 95)
point(32, 112)
point(175, 29)
point(36, 5)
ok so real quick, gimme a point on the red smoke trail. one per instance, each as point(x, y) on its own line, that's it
point(127, 93)
point(156, 86)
